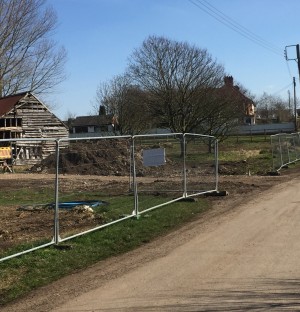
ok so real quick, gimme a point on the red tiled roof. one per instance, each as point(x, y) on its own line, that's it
point(7, 103)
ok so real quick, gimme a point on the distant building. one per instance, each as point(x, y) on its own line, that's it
point(23, 115)
point(89, 125)
point(248, 113)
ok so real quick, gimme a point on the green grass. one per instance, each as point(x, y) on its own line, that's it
point(18, 276)
point(26, 196)
point(253, 151)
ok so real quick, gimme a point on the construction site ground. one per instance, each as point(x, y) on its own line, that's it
point(242, 189)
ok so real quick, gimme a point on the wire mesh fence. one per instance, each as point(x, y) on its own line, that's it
point(90, 183)
point(26, 203)
point(102, 191)
point(201, 161)
point(158, 170)
point(285, 149)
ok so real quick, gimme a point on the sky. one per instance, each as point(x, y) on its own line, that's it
point(100, 36)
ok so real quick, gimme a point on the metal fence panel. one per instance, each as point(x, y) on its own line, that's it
point(90, 183)
point(159, 167)
point(26, 206)
point(285, 149)
point(201, 164)
point(100, 191)
point(276, 151)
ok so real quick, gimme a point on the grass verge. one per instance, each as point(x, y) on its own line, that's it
point(19, 276)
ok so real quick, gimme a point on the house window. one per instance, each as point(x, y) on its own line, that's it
point(5, 134)
point(19, 122)
point(91, 129)
point(10, 122)
point(248, 121)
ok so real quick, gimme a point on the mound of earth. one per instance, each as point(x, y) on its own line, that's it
point(109, 157)
point(94, 157)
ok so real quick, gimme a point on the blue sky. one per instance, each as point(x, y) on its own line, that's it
point(100, 35)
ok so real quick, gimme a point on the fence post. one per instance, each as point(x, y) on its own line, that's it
point(294, 158)
point(287, 137)
point(297, 145)
point(280, 148)
point(217, 163)
point(273, 156)
point(184, 166)
point(131, 168)
point(56, 213)
point(135, 190)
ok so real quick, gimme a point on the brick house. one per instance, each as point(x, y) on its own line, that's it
point(247, 105)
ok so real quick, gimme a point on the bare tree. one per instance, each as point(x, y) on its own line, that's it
point(110, 94)
point(29, 60)
point(125, 102)
point(173, 85)
point(272, 108)
point(180, 79)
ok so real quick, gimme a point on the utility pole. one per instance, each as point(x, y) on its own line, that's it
point(289, 97)
point(295, 104)
point(297, 59)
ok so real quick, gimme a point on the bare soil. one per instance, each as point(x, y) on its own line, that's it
point(91, 165)
point(20, 224)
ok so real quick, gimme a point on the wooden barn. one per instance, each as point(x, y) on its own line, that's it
point(23, 115)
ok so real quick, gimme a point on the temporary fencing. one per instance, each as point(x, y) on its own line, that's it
point(201, 163)
point(93, 160)
point(112, 179)
point(172, 167)
point(285, 149)
point(20, 222)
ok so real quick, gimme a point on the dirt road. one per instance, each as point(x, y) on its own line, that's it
point(238, 258)
point(247, 259)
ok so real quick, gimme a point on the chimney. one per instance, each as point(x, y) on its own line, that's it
point(228, 81)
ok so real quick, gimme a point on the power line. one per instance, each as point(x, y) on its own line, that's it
point(289, 70)
point(296, 59)
point(235, 26)
point(284, 88)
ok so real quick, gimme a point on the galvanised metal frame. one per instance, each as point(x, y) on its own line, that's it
point(56, 202)
point(56, 237)
point(216, 163)
point(282, 140)
point(184, 177)
point(103, 225)
point(136, 213)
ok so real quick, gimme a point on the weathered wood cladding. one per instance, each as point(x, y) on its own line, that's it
point(36, 122)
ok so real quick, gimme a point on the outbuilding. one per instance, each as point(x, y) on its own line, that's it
point(24, 116)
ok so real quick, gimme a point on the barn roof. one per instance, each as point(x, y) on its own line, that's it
point(7, 103)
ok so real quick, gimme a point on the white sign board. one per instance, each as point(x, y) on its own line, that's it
point(154, 157)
